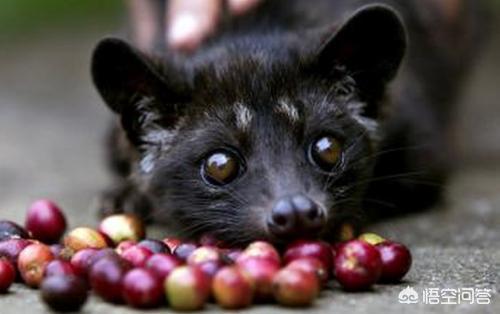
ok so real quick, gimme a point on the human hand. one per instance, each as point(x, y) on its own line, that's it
point(189, 22)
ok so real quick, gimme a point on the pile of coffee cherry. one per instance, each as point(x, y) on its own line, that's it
point(120, 265)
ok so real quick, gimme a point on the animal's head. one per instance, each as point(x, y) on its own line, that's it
point(262, 143)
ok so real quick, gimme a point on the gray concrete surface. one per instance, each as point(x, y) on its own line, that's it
point(51, 126)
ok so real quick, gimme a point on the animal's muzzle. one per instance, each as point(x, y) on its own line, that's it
point(296, 216)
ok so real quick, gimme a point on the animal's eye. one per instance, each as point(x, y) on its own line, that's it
point(221, 167)
point(325, 152)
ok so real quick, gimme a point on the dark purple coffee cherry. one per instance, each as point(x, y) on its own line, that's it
point(396, 261)
point(64, 293)
point(45, 221)
point(142, 289)
point(357, 265)
point(183, 250)
point(106, 278)
point(155, 246)
point(7, 275)
point(161, 265)
point(9, 229)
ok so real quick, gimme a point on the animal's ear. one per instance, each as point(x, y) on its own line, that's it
point(131, 87)
point(370, 46)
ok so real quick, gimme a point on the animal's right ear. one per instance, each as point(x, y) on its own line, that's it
point(121, 73)
point(370, 45)
point(131, 87)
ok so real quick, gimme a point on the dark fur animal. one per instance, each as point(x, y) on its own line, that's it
point(257, 104)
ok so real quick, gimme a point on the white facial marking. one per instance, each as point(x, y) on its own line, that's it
point(288, 110)
point(243, 116)
point(157, 139)
point(147, 163)
point(371, 125)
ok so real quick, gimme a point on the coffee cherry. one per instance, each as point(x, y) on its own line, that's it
point(357, 265)
point(183, 250)
point(137, 255)
point(396, 261)
point(309, 248)
point(294, 287)
point(312, 265)
point(11, 230)
point(261, 249)
point(59, 267)
point(162, 264)
point(142, 289)
point(371, 238)
point(187, 288)
point(155, 246)
point(45, 221)
point(232, 289)
point(261, 272)
point(11, 248)
point(106, 278)
point(31, 263)
point(64, 293)
point(123, 227)
point(84, 238)
point(7, 275)
point(81, 261)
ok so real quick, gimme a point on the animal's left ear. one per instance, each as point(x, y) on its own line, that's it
point(370, 45)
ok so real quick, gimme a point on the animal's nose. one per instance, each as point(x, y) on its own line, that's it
point(295, 216)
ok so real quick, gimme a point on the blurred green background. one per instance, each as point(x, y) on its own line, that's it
point(27, 17)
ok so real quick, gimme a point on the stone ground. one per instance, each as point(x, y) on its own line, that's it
point(51, 126)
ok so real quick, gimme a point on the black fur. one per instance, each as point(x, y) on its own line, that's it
point(332, 61)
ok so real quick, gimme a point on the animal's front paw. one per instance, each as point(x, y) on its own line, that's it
point(124, 198)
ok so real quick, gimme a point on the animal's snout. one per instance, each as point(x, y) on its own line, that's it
point(295, 216)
